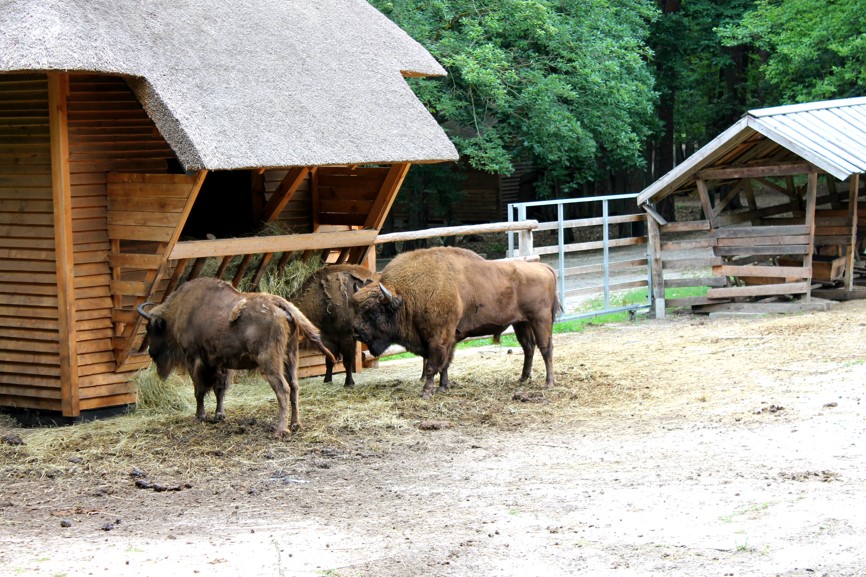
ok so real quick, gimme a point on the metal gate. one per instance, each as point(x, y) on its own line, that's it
point(600, 263)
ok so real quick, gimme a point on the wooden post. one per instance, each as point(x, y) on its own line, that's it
point(58, 90)
point(705, 202)
point(382, 205)
point(524, 243)
point(853, 199)
point(811, 198)
point(658, 280)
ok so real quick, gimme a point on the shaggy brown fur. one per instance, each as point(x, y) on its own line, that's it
point(326, 299)
point(210, 328)
point(435, 297)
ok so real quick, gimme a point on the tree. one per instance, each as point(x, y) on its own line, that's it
point(564, 84)
point(804, 49)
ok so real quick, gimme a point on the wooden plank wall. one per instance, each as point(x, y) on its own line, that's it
point(29, 329)
point(108, 132)
point(295, 217)
point(344, 196)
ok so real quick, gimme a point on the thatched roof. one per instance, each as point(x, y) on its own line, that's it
point(245, 83)
point(830, 135)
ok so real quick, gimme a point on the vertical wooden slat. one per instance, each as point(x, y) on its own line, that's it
point(658, 280)
point(811, 197)
point(58, 90)
point(315, 199)
point(853, 199)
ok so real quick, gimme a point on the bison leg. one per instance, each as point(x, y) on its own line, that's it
point(291, 367)
point(543, 332)
point(347, 350)
point(523, 332)
point(329, 370)
point(222, 380)
point(436, 362)
point(201, 382)
point(281, 390)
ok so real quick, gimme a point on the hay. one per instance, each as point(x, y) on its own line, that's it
point(384, 409)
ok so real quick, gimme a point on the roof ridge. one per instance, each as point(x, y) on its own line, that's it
point(808, 106)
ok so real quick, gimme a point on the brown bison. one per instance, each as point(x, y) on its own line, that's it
point(211, 328)
point(326, 299)
point(428, 300)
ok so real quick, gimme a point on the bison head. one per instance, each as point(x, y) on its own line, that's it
point(375, 322)
point(159, 339)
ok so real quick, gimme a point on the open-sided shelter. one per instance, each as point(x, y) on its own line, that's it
point(138, 139)
point(779, 192)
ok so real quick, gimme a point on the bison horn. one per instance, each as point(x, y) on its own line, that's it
point(144, 313)
point(387, 297)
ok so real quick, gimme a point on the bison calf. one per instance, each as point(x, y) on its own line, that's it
point(326, 299)
point(211, 328)
point(430, 299)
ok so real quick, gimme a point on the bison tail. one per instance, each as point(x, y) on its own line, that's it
point(306, 328)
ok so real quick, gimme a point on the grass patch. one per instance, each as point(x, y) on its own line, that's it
point(617, 300)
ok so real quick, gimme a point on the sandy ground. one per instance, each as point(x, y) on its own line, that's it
point(725, 447)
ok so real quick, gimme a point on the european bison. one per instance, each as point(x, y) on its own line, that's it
point(210, 328)
point(427, 300)
point(326, 299)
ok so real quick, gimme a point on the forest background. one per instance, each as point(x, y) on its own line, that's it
point(605, 96)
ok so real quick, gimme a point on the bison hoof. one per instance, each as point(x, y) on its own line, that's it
point(296, 427)
point(328, 380)
point(219, 417)
point(350, 385)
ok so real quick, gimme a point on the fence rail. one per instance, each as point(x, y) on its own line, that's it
point(600, 262)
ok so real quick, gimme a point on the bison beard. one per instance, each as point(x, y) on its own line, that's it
point(430, 299)
point(210, 328)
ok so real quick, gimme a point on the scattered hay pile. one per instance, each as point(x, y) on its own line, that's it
point(383, 410)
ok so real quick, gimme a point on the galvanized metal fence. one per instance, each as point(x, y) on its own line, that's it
point(607, 257)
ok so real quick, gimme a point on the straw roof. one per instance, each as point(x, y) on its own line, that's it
point(245, 83)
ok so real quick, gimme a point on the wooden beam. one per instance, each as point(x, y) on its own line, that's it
point(58, 91)
point(284, 193)
point(853, 193)
point(387, 195)
point(704, 193)
point(656, 269)
point(760, 290)
point(798, 272)
point(265, 244)
point(767, 230)
point(754, 171)
point(381, 206)
point(728, 198)
point(811, 196)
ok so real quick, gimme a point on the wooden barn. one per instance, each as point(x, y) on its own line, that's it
point(141, 141)
point(780, 217)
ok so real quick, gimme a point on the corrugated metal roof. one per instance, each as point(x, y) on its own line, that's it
point(830, 135)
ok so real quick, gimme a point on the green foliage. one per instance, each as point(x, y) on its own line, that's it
point(806, 49)
point(696, 75)
point(564, 84)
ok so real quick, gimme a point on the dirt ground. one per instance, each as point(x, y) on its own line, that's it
point(721, 447)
